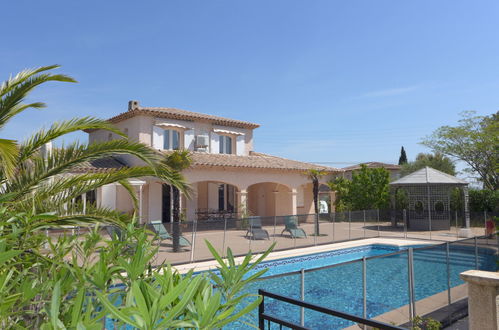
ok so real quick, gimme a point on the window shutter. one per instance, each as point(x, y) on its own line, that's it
point(157, 137)
point(189, 139)
point(240, 145)
point(215, 143)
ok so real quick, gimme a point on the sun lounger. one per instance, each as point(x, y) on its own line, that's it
point(291, 226)
point(160, 230)
point(115, 232)
point(256, 230)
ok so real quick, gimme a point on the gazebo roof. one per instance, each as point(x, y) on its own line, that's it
point(428, 175)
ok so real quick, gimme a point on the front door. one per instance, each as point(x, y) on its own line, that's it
point(166, 211)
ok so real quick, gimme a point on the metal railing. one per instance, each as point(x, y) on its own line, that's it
point(437, 266)
point(333, 228)
point(262, 317)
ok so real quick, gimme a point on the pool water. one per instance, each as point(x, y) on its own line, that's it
point(318, 260)
point(340, 287)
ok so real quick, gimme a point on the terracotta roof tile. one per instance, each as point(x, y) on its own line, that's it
point(172, 113)
point(254, 160)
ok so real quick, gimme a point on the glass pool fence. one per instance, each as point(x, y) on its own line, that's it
point(392, 288)
point(256, 234)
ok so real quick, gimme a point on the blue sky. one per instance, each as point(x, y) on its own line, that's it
point(329, 81)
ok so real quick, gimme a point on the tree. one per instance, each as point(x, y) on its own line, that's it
point(69, 281)
point(178, 160)
point(51, 182)
point(367, 190)
point(474, 141)
point(314, 175)
point(436, 161)
point(12, 93)
point(403, 157)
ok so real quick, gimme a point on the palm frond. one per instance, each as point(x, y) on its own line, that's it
point(15, 90)
point(43, 136)
point(8, 156)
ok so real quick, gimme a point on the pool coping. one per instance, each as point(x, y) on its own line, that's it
point(213, 264)
point(424, 306)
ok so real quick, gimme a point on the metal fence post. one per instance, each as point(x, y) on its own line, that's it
point(485, 227)
point(412, 302)
point(250, 238)
point(476, 254)
point(193, 239)
point(275, 223)
point(261, 311)
point(316, 229)
point(334, 218)
point(364, 288)
point(448, 272)
point(405, 223)
point(364, 223)
point(302, 294)
point(349, 224)
point(377, 220)
point(223, 243)
point(457, 229)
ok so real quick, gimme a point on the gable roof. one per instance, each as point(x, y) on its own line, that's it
point(134, 109)
point(428, 175)
point(373, 165)
point(254, 160)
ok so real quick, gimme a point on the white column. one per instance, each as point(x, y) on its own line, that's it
point(140, 205)
point(466, 232)
point(108, 196)
point(242, 202)
point(294, 204)
point(84, 200)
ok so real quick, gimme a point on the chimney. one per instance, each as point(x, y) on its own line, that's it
point(132, 105)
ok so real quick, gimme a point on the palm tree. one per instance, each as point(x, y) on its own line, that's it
point(48, 183)
point(314, 175)
point(178, 160)
point(12, 93)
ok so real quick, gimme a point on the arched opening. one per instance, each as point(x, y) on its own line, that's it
point(214, 200)
point(267, 199)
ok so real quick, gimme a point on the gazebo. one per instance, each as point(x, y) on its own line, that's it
point(428, 194)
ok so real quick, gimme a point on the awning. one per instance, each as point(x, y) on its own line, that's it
point(223, 131)
point(171, 125)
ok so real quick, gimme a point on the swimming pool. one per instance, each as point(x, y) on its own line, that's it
point(340, 287)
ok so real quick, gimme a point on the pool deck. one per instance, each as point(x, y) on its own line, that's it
point(424, 306)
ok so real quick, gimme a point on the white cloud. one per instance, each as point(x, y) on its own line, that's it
point(391, 91)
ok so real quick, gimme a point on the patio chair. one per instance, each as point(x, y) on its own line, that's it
point(291, 226)
point(115, 232)
point(160, 229)
point(256, 230)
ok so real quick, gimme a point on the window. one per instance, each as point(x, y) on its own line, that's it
point(225, 144)
point(439, 207)
point(419, 207)
point(171, 139)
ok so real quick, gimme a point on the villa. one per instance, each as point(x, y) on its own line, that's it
point(228, 178)
point(393, 169)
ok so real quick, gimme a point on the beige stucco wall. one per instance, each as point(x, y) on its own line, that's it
point(308, 200)
point(140, 129)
